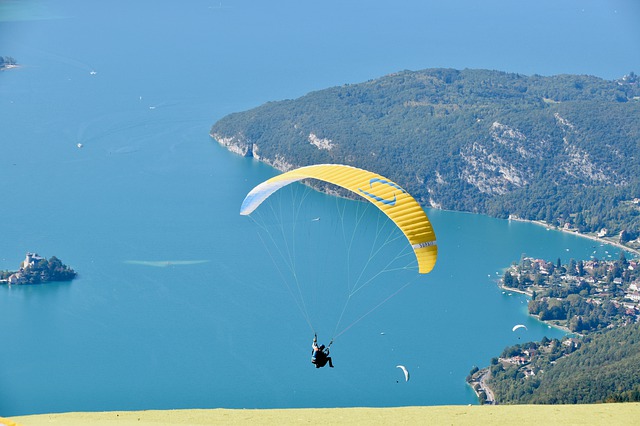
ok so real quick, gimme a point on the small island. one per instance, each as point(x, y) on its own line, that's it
point(35, 269)
point(7, 62)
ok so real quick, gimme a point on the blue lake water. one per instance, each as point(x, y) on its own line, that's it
point(178, 304)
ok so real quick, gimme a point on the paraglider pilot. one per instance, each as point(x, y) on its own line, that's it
point(320, 354)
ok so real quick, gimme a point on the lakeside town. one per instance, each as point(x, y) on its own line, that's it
point(582, 297)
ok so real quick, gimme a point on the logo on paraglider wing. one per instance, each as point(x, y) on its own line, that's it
point(422, 245)
point(378, 198)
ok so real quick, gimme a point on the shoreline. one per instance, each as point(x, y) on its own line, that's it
point(479, 384)
point(579, 234)
point(537, 317)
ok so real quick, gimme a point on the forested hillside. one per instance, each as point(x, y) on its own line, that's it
point(605, 368)
point(562, 149)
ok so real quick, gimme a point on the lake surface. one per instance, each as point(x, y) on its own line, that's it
point(178, 304)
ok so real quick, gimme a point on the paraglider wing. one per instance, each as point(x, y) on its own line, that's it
point(388, 196)
point(515, 327)
point(405, 371)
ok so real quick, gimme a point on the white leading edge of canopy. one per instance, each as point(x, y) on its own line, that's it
point(261, 192)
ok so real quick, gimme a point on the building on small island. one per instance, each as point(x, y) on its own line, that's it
point(35, 269)
point(16, 278)
point(31, 259)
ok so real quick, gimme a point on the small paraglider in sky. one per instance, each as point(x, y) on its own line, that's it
point(515, 327)
point(405, 371)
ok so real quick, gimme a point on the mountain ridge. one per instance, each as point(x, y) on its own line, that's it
point(560, 149)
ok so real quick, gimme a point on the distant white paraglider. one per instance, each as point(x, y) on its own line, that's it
point(515, 327)
point(405, 371)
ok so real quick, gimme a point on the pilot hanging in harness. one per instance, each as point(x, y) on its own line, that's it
point(320, 354)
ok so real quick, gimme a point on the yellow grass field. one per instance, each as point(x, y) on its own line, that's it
point(521, 415)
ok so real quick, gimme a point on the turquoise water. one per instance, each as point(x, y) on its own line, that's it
point(178, 304)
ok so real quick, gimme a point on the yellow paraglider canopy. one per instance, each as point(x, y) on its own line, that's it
point(387, 195)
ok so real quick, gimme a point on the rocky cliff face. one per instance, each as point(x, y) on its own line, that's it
point(495, 165)
point(239, 144)
point(506, 160)
point(236, 143)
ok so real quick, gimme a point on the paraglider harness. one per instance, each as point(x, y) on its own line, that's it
point(319, 354)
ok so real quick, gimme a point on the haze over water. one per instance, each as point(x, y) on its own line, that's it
point(177, 304)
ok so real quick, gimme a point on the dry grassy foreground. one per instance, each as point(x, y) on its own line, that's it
point(598, 414)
